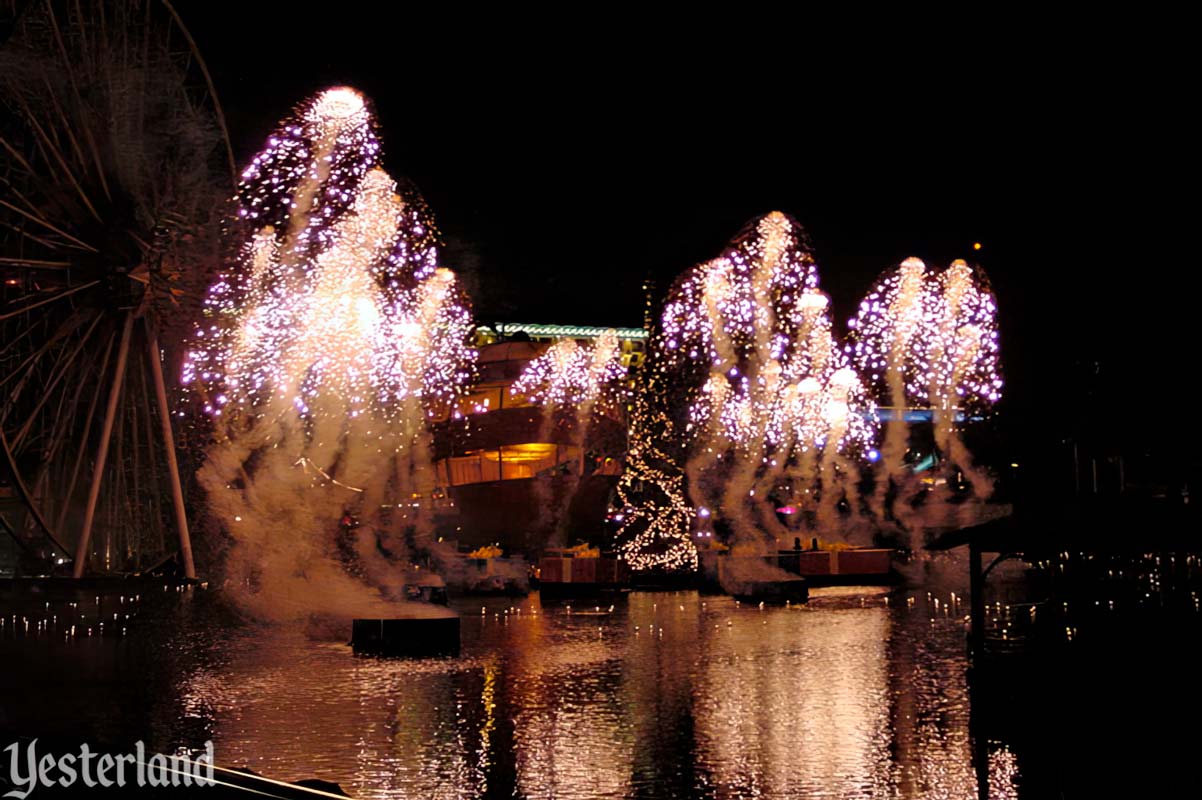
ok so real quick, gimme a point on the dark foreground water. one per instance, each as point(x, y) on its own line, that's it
point(862, 693)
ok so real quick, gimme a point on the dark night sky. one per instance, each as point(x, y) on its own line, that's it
point(566, 160)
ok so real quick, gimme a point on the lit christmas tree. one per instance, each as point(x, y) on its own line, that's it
point(656, 520)
point(749, 403)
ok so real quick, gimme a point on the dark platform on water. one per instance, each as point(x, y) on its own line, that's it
point(776, 593)
point(666, 581)
point(566, 592)
point(414, 637)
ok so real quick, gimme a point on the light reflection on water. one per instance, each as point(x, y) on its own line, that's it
point(858, 694)
point(673, 694)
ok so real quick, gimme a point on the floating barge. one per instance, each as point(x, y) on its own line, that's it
point(564, 575)
point(412, 637)
point(419, 626)
point(788, 575)
point(771, 592)
point(856, 566)
point(493, 575)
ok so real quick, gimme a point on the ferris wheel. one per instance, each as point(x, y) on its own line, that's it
point(114, 167)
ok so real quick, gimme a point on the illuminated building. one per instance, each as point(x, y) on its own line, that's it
point(516, 463)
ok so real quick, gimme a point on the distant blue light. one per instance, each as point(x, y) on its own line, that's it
point(873, 455)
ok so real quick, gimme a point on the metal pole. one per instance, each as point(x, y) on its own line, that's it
point(106, 433)
point(177, 492)
point(22, 490)
point(154, 463)
point(1076, 470)
point(83, 440)
point(976, 591)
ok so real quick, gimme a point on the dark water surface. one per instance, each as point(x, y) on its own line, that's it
point(862, 693)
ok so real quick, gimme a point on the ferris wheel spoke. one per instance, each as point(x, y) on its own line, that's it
point(28, 368)
point(49, 146)
point(62, 420)
point(94, 151)
point(15, 192)
point(49, 226)
point(204, 70)
point(31, 237)
point(50, 387)
point(16, 156)
point(23, 370)
point(41, 303)
point(26, 497)
point(80, 159)
point(87, 430)
point(16, 340)
point(34, 263)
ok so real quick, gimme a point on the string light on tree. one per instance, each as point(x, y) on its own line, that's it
point(657, 520)
point(752, 381)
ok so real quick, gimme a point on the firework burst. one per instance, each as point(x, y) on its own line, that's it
point(572, 375)
point(337, 303)
point(755, 321)
point(767, 406)
point(929, 339)
point(323, 353)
